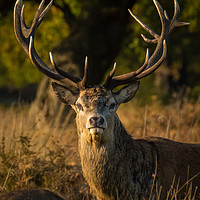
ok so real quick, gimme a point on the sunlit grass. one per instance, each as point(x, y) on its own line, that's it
point(36, 154)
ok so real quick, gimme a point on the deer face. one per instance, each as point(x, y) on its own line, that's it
point(95, 108)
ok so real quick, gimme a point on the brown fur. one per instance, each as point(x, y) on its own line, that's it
point(115, 165)
point(181, 160)
point(119, 167)
point(126, 170)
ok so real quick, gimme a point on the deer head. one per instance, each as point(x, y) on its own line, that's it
point(95, 109)
point(96, 105)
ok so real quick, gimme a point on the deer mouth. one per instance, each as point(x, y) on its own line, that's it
point(96, 130)
point(96, 135)
point(96, 124)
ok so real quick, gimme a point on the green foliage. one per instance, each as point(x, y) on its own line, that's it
point(134, 48)
point(183, 48)
point(195, 93)
point(16, 70)
point(74, 5)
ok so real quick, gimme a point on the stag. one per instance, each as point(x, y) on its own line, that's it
point(115, 165)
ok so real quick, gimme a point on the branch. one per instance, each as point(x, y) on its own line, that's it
point(68, 15)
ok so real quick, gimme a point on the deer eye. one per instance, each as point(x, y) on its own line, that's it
point(79, 107)
point(112, 106)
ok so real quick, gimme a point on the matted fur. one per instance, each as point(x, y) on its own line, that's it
point(117, 166)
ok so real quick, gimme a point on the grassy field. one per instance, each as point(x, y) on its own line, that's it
point(36, 154)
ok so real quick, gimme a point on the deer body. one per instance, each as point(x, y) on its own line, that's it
point(115, 165)
point(119, 167)
point(129, 175)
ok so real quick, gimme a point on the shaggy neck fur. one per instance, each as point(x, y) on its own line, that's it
point(108, 170)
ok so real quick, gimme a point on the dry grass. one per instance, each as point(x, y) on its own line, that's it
point(173, 121)
point(35, 154)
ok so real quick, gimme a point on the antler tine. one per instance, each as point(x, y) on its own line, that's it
point(70, 78)
point(40, 65)
point(110, 75)
point(25, 36)
point(37, 19)
point(84, 83)
point(28, 31)
point(112, 82)
point(156, 65)
point(141, 69)
point(160, 11)
point(25, 29)
point(158, 56)
point(176, 11)
point(175, 19)
point(17, 26)
point(144, 26)
point(153, 41)
point(44, 12)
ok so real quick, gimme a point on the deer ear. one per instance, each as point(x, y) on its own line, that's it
point(64, 94)
point(126, 93)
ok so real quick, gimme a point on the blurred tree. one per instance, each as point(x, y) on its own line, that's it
point(97, 29)
point(181, 68)
point(102, 30)
point(15, 66)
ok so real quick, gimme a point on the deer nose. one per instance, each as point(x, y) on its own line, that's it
point(96, 121)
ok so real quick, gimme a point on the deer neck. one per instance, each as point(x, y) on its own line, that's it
point(101, 163)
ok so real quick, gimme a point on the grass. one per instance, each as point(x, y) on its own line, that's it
point(36, 152)
point(33, 154)
point(172, 121)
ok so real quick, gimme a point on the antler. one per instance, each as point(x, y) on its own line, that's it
point(156, 59)
point(25, 36)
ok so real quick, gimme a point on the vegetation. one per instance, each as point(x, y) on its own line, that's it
point(106, 33)
point(38, 152)
point(33, 154)
point(16, 70)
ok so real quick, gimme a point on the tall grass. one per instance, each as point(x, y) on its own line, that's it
point(36, 152)
point(173, 121)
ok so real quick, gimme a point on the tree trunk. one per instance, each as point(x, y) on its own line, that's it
point(99, 36)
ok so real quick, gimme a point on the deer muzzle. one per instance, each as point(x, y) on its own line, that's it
point(96, 123)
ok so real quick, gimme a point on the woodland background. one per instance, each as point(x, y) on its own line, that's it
point(38, 140)
point(105, 32)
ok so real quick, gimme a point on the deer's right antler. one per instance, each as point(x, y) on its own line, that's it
point(152, 63)
point(25, 36)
